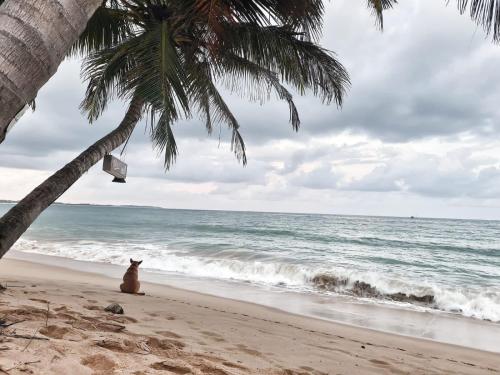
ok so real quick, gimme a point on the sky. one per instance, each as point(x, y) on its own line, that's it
point(418, 134)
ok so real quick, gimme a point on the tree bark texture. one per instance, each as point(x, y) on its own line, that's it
point(35, 36)
point(15, 222)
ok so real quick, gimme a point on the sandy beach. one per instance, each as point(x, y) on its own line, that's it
point(60, 326)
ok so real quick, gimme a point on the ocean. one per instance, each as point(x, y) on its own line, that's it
point(430, 265)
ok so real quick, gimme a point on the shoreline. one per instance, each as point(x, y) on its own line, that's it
point(432, 325)
point(256, 338)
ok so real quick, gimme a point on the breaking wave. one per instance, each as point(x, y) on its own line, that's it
point(481, 303)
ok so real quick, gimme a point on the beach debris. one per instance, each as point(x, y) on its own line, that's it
point(114, 308)
point(16, 336)
point(31, 340)
point(2, 288)
point(333, 283)
point(362, 289)
point(21, 366)
point(4, 324)
point(47, 316)
point(328, 282)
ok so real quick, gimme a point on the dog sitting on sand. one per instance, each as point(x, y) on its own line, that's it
point(131, 282)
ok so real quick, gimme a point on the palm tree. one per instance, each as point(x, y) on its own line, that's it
point(35, 36)
point(485, 13)
point(167, 58)
point(20, 81)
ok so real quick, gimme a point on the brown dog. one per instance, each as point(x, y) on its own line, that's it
point(131, 282)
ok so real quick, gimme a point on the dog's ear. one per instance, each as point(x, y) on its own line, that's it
point(131, 261)
point(139, 262)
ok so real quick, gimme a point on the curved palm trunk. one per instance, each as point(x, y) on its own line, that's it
point(35, 36)
point(15, 222)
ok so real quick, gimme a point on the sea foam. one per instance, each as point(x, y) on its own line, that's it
point(480, 303)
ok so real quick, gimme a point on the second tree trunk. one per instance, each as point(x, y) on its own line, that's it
point(15, 222)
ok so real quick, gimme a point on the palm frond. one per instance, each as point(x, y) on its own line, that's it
point(107, 72)
point(302, 15)
point(174, 54)
point(300, 63)
point(200, 76)
point(238, 71)
point(485, 13)
point(109, 25)
point(163, 138)
point(378, 7)
point(205, 94)
point(222, 112)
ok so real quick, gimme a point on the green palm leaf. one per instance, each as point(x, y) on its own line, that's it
point(174, 54)
point(485, 13)
point(108, 26)
point(300, 63)
point(378, 7)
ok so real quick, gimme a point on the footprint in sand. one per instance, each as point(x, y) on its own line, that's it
point(169, 334)
point(101, 364)
point(62, 309)
point(93, 307)
point(38, 300)
point(379, 362)
point(207, 369)
point(121, 319)
point(213, 336)
point(26, 313)
point(247, 350)
point(57, 332)
point(233, 365)
point(118, 346)
point(164, 344)
point(88, 323)
point(386, 365)
point(172, 366)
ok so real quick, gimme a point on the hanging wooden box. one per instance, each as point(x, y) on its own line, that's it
point(115, 167)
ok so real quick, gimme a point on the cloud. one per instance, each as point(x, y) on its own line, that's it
point(319, 178)
point(429, 182)
point(449, 176)
point(419, 128)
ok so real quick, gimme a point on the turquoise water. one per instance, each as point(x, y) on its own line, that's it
point(457, 262)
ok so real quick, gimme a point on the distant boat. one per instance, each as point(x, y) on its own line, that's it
point(412, 217)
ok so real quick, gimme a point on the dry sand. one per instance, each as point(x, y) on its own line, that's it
point(173, 331)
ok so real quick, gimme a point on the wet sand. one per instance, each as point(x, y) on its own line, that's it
point(62, 328)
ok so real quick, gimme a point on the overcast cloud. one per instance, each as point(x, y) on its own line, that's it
point(419, 133)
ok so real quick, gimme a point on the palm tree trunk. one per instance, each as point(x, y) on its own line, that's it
point(15, 222)
point(35, 36)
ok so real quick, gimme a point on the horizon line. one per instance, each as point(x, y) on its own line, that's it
point(415, 217)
